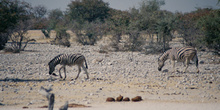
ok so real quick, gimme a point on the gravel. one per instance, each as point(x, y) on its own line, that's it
point(111, 74)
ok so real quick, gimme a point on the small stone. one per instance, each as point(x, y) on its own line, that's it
point(87, 102)
point(119, 98)
point(126, 99)
point(72, 82)
point(136, 99)
point(25, 107)
point(166, 70)
point(201, 62)
point(110, 99)
point(147, 86)
point(110, 63)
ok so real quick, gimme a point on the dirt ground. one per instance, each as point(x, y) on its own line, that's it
point(111, 74)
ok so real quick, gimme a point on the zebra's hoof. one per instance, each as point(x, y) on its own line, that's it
point(54, 74)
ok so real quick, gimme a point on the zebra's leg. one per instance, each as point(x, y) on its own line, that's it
point(184, 64)
point(195, 59)
point(60, 71)
point(187, 64)
point(78, 72)
point(84, 68)
point(64, 70)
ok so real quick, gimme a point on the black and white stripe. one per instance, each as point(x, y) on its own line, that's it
point(69, 60)
point(183, 54)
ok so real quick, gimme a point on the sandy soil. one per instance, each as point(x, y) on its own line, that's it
point(111, 74)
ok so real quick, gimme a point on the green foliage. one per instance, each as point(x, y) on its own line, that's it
point(149, 6)
point(55, 16)
point(62, 37)
point(148, 15)
point(210, 25)
point(39, 18)
point(151, 20)
point(11, 12)
point(60, 24)
point(200, 28)
point(163, 29)
point(88, 10)
point(88, 18)
point(14, 16)
point(119, 21)
point(39, 11)
point(89, 32)
point(3, 40)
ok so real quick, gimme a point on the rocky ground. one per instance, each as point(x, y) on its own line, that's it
point(111, 74)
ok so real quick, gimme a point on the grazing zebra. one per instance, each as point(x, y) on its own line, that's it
point(183, 54)
point(70, 60)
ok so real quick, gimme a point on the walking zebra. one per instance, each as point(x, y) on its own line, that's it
point(183, 54)
point(70, 60)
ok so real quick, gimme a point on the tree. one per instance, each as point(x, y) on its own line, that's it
point(59, 22)
point(88, 10)
point(88, 18)
point(15, 16)
point(186, 26)
point(118, 24)
point(9, 17)
point(55, 17)
point(164, 28)
point(39, 11)
point(47, 24)
point(210, 25)
point(149, 6)
point(151, 21)
point(39, 17)
point(150, 14)
point(17, 36)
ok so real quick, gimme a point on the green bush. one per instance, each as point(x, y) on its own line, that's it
point(210, 25)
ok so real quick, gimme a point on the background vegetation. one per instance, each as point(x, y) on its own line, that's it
point(90, 20)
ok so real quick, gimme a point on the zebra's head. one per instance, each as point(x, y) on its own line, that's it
point(160, 64)
point(51, 69)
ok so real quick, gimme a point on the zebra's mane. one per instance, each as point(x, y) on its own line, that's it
point(164, 56)
point(54, 60)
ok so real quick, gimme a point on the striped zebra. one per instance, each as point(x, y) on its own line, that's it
point(183, 54)
point(69, 60)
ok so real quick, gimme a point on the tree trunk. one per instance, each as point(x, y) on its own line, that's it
point(164, 43)
point(51, 101)
point(27, 43)
point(20, 43)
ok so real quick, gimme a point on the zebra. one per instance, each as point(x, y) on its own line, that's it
point(69, 60)
point(182, 54)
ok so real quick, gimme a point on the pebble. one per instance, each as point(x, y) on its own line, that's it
point(108, 70)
